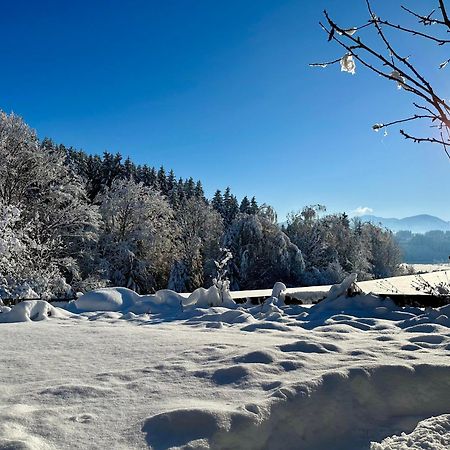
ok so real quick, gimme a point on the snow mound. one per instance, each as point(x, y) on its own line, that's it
point(278, 288)
point(126, 301)
point(222, 315)
point(196, 428)
point(31, 310)
point(4, 308)
point(204, 298)
point(338, 290)
point(107, 299)
point(433, 433)
point(258, 357)
point(163, 302)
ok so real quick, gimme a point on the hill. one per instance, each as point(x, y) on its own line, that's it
point(416, 224)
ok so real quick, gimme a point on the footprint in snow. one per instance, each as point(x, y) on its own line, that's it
point(260, 357)
point(82, 418)
point(230, 375)
point(428, 339)
point(309, 347)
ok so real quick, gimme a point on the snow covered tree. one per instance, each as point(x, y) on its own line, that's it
point(262, 254)
point(138, 243)
point(390, 50)
point(333, 247)
point(385, 256)
point(200, 229)
point(52, 201)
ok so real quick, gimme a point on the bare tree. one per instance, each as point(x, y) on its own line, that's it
point(374, 45)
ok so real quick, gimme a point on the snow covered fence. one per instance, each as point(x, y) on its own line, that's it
point(15, 301)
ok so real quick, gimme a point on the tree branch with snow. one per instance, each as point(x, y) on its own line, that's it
point(371, 46)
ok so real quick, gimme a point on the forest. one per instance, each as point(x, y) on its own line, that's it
point(430, 247)
point(72, 222)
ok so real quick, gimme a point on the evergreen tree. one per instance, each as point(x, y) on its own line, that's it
point(189, 188)
point(162, 181)
point(129, 169)
point(199, 193)
point(244, 207)
point(217, 202)
point(254, 208)
point(171, 182)
point(111, 168)
point(230, 207)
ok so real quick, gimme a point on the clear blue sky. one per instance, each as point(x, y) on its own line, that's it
point(220, 91)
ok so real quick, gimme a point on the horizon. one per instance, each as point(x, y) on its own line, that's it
point(240, 109)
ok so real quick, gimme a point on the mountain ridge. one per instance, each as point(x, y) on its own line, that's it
point(420, 223)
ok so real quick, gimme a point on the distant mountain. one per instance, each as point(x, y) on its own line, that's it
point(417, 224)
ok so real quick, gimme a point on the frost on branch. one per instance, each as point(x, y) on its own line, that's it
point(395, 74)
point(377, 127)
point(349, 31)
point(348, 64)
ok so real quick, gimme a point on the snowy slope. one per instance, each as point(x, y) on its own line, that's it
point(339, 375)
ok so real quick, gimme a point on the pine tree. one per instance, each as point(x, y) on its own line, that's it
point(180, 191)
point(189, 188)
point(129, 169)
point(230, 206)
point(171, 182)
point(244, 208)
point(111, 168)
point(254, 208)
point(162, 181)
point(199, 193)
point(217, 202)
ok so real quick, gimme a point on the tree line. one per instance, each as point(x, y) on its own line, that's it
point(430, 247)
point(71, 221)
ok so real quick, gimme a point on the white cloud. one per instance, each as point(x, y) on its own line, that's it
point(362, 211)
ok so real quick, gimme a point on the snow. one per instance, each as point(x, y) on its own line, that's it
point(29, 310)
point(430, 434)
point(127, 301)
point(410, 284)
point(106, 299)
point(126, 371)
point(426, 268)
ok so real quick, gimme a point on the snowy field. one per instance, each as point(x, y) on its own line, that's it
point(346, 374)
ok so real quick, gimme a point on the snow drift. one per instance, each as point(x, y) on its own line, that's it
point(340, 410)
point(31, 310)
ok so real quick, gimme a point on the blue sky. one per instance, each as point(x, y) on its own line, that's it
point(221, 91)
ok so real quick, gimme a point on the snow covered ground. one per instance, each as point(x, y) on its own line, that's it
point(348, 373)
